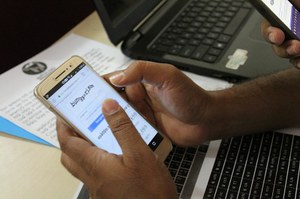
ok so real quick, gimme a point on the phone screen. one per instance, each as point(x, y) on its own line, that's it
point(78, 97)
point(286, 12)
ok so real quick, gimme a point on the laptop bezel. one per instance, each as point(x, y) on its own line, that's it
point(119, 31)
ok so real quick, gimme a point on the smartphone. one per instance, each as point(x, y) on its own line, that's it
point(75, 92)
point(282, 14)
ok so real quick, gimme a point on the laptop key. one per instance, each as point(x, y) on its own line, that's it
point(278, 192)
point(243, 195)
point(232, 195)
point(183, 172)
point(200, 52)
point(175, 49)
point(180, 180)
point(209, 192)
point(245, 186)
point(256, 188)
point(221, 193)
point(267, 190)
point(218, 166)
point(290, 193)
point(173, 172)
point(187, 51)
point(224, 38)
point(210, 58)
point(228, 168)
point(235, 184)
point(214, 179)
point(219, 45)
point(224, 181)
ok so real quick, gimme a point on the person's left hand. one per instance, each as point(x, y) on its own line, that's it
point(137, 173)
point(287, 49)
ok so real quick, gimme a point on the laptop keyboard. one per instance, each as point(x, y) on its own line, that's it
point(203, 30)
point(179, 162)
point(270, 169)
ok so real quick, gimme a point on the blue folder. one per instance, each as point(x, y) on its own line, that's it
point(12, 129)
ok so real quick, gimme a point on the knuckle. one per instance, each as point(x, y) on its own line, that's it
point(120, 125)
point(64, 144)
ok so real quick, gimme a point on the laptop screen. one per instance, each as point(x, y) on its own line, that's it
point(119, 17)
point(117, 9)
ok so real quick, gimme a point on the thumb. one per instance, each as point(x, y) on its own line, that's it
point(121, 126)
point(155, 74)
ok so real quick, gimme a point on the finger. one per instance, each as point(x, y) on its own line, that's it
point(280, 51)
point(126, 134)
point(73, 167)
point(79, 150)
point(107, 77)
point(293, 48)
point(272, 34)
point(296, 62)
point(64, 132)
point(152, 73)
point(137, 96)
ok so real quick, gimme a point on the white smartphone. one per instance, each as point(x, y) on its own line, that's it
point(282, 14)
point(75, 92)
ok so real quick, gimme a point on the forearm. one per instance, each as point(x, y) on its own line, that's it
point(266, 103)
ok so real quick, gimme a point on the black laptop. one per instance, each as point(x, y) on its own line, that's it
point(218, 38)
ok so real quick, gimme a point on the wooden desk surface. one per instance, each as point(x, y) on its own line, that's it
point(31, 170)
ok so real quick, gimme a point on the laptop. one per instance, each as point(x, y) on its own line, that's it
point(218, 38)
point(264, 165)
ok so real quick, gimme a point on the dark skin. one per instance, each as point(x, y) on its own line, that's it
point(285, 49)
point(270, 103)
point(185, 113)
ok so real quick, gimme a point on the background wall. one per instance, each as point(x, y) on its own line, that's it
point(28, 27)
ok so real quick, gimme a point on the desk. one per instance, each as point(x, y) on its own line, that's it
point(30, 170)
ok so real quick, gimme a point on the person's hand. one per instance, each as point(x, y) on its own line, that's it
point(287, 49)
point(137, 173)
point(168, 97)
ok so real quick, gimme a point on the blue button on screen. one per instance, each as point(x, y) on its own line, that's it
point(96, 123)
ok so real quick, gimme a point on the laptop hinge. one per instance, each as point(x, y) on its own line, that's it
point(150, 20)
point(131, 41)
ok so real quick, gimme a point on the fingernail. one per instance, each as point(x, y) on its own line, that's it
point(117, 78)
point(290, 51)
point(110, 107)
point(272, 38)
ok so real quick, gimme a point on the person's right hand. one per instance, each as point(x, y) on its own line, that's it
point(136, 174)
point(176, 103)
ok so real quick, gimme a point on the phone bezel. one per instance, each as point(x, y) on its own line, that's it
point(273, 19)
point(58, 75)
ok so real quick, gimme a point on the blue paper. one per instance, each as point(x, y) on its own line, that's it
point(10, 128)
